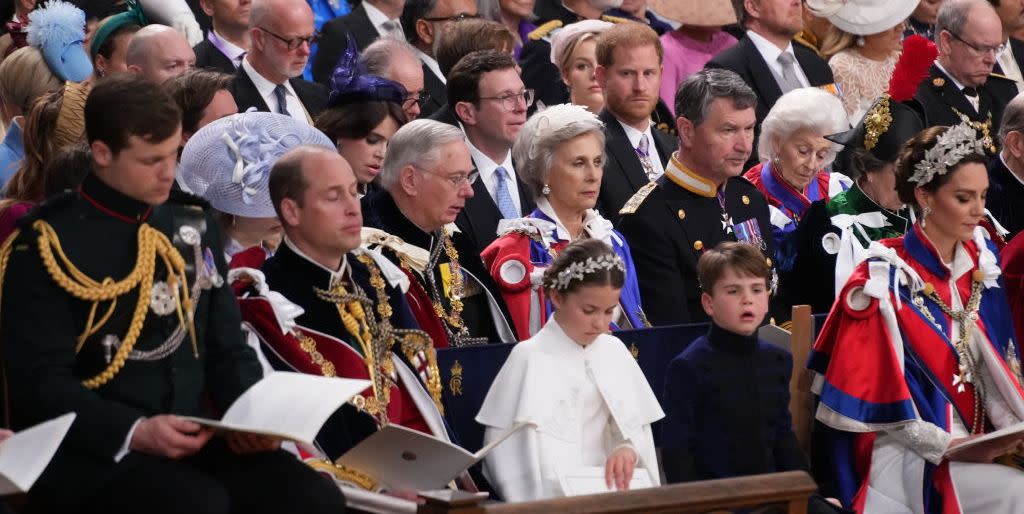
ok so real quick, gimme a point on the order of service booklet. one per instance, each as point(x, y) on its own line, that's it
point(1010, 431)
point(402, 458)
point(288, 405)
point(25, 455)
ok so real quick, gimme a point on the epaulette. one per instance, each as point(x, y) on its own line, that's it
point(802, 40)
point(542, 31)
point(1000, 76)
point(52, 204)
point(638, 198)
point(179, 196)
point(614, 19)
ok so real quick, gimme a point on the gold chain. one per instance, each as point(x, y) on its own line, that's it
point(965, 319)
point(308, 345)
point(151, 243)
point(455, 317)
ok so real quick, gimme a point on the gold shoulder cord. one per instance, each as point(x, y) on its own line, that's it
point(152, 243)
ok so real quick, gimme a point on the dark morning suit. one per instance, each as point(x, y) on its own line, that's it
point(209, 57)
point(334, 39)
point(623, 173)
point(747, 62)
point(937, 97)
point(312, 95)
point(479, 219)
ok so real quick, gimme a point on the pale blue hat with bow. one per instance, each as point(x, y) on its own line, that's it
point(228, 162)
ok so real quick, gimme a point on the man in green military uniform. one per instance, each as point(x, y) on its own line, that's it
point(114, 308)
point(700, 201)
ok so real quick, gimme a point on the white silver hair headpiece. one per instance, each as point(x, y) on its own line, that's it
point(578, 270)
point(950, 148)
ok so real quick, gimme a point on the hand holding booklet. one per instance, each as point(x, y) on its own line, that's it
point(998, 437)
point(400, 458)
point(25, 455)
point(292, 406)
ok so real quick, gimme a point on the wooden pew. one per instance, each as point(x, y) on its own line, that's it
point(801, 400)
point(789, 491)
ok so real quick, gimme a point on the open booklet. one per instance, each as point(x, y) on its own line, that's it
point(590, 480)
point(1016, 430)
point(25, 455)
point(400, 458)
point(776, 335)
point(288, 405)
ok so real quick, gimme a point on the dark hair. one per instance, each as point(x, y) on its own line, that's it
point(701, 88)
point(913, 152)
point(67, 168)
point(625, 35)
point(458, 40)
point(742, 258)
point(107, 48)
point(578, 252)
point(126, 104)
point(357, 120)
point(862, 162)
point(287, 179)
point(414, 10)
point(193, 91)
point(464, 80)
point(28, 183)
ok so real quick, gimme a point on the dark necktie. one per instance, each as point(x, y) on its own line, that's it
point(282, 102)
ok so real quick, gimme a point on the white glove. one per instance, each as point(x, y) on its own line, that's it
point(176, 14)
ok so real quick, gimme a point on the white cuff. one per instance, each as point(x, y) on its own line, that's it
point(126, 447)
point(923, 438)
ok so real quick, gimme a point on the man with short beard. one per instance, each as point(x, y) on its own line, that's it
point(281, 33)
point(766, 57)
point(629, 69)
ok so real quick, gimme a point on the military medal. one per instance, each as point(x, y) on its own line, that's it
point(162, 299)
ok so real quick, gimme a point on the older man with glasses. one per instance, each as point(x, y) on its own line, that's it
point(281, 33)
point(422, 22)
point(395, 59)
point(427, 177)
point(961, 86)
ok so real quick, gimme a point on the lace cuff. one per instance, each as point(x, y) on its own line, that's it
point(923, 438)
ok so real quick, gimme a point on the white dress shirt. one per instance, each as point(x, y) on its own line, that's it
point(233, 52)
point(634, 135)
point(1009, 65)
point(431, 63)
point(486, 167)
point(266, 90)
point(771, 54)
point(379, 19)
point(975, 101)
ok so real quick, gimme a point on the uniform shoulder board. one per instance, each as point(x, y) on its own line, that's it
point(638, 198)
point(41, 211)
point(614, 19)
point(999, 76)
point(181, 197)
point(544, 30)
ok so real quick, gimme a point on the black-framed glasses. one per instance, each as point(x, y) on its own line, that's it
point(510, 101)
point(294, 42)
point(458, 17)
point(419, 99)
point(456, 181)
point(980, 50)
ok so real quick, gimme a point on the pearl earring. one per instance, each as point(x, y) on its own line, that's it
point(924, 215)
point(546, 190)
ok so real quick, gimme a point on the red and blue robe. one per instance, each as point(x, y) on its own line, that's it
point(881, 363)
point(787, 205)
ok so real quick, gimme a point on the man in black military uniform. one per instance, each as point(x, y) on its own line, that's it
point(700, 201)
point(115, 310)
point(961, 85)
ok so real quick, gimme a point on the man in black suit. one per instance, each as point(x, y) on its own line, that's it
point(228, 41)
point(629, 72)
point(281, 32)
point(961, 86)
point(766, 57)
point(422, 21)
point(1010, 59)
point(396, 60)
point(489, 99)
point(1006, 171)
point(368, 21)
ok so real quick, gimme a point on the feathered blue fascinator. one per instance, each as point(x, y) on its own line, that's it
point(58, 29)
point(351, 83)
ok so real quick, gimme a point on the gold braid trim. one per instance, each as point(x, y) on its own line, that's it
point(151, 243)
point(5, 257)
point(413, 341)
point(344, 473)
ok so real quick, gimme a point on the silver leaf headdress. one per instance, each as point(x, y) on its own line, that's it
point(950, 148)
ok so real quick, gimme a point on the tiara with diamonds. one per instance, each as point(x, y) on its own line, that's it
point(950, 148)
point(578, 270)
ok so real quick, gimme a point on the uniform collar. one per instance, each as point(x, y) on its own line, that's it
point(291, 254)
point(688, 179)
point(112, 202)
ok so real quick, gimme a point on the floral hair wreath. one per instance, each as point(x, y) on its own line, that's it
point(950, 148)
point(578, 270)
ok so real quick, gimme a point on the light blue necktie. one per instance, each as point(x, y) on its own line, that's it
point(505, 203)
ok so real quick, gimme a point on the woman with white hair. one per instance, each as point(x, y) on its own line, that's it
point(794, 155)
point(559, 155)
